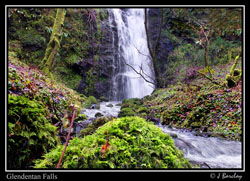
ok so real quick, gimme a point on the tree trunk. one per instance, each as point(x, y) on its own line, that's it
point(53, 46)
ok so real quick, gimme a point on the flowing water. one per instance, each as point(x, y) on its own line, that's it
point(106, 109)
point(212, 152)
point(132, 52)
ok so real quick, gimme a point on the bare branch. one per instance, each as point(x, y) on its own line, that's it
point(139, 74)
point(145, 73)
point(142, 53)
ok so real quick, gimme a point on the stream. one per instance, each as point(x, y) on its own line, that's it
point(203, 151)
point(206, 151)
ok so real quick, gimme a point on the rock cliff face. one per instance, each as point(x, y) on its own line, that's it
point(165, 45)
point(104, 67)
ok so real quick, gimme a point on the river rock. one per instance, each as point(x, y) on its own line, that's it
point(173, 135)
point(97, 106)
point(109, 105)
point(92, 106)
point(98, 114)
point(170, 126)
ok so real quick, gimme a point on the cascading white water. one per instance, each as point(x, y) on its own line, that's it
point(132, 50)
point(215, 152)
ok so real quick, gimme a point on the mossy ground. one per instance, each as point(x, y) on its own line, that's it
point(35, 104)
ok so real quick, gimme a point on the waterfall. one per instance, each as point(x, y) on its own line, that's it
point(132, 51)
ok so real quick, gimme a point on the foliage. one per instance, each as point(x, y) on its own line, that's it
point(34, 103)
point(31, 39)
point(71, 78)
point(30, 133)
point(133, 143)
point(182, 27)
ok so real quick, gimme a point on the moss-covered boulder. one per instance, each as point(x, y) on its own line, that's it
point(81, 117)
point(91, 128)
point(90, 100)
point(127, 111)
point(132, 107)
point(129, 142)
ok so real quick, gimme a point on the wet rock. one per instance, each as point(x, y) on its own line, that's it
point(97, 106)
point(173, 135)
point(155, 120)
point(83, 124)
point(98, 114)
point(103, 99)
point(110, 105)
point(217, 134)
point(198, 133)
point(170, 126)
point(93, 106)
point(209, 134)
point(204, 128)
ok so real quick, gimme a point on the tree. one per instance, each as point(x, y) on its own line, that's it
point(53, 46)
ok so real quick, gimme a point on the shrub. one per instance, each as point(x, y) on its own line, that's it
point(133, 143)
point(30, 134)
point(31, 38)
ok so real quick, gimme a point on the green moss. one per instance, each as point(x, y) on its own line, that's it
point(196, 124)
point(67, 76)
point(91, 128)
point(90, 100)
point(126, 112)
point(80, 117)
point(90, 82)
point(142, 109)
point(103, 99)
point(134, 143)
point(30, 133)
point(53, 46)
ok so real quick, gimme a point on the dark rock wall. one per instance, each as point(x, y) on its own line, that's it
point(165, 45)
point(105, 66)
